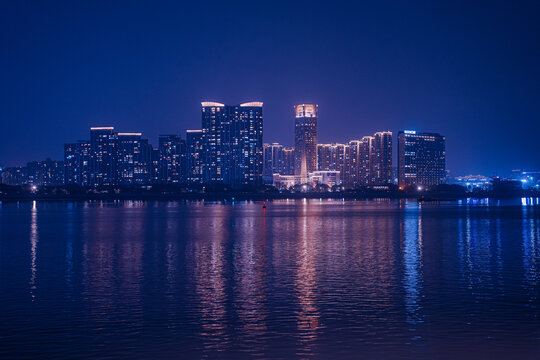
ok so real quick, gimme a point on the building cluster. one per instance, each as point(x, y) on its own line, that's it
point(228, 150)
point(357, 163)
point(36, 173)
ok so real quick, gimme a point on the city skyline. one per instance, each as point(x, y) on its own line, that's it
point(228, 150)
point(437, 67)
point(186, 132)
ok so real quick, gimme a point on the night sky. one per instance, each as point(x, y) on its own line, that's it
point(468, 71)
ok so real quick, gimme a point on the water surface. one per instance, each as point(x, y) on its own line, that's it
point(301, 279)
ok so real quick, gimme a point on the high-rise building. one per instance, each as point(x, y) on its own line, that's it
point(172, 153)
point(216, 129)
point(194, 142)
point(335, 157)
point(39, 173)
point(278, 160)
point(360, 162)
point(103, 152)
point(421, 158)
point(109, 159)
point(381, 158)
point(77, 163)
point(153, 165)
point(272, 159)
point(305, 140)
point(232, 144)
point(287, 162)
point(51, 172)
point(133, 158)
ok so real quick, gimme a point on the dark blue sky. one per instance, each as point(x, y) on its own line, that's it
point(468, 71)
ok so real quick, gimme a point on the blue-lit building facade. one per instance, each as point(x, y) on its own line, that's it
point(421, 158)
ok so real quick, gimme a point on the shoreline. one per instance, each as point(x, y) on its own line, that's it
point(248, 197)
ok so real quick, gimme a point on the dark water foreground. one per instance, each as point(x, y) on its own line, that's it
point(304, 279)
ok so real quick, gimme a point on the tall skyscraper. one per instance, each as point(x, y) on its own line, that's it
point(364, 160)
point(194, 142)
point(232, 144)
point(381, 158)
point(172, 154)
point(421, 158)
point(305, 140)
point(103, 152)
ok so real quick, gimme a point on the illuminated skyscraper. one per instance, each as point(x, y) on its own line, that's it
point(381, 158)
point(421, 158)
point(364, 160)
point(232, 144)
point(103, 161)
point(305, 140)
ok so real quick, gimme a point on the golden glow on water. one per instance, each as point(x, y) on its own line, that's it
point(306, 285)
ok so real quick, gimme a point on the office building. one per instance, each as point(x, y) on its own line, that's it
point(305, 140)
point(421, 158)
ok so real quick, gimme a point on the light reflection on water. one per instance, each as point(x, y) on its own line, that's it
point(305, 278)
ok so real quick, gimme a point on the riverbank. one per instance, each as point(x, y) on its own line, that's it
point(244, 196)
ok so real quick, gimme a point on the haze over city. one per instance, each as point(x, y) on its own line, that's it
point(467, 71)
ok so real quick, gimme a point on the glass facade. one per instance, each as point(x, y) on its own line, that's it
point(421, 158)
